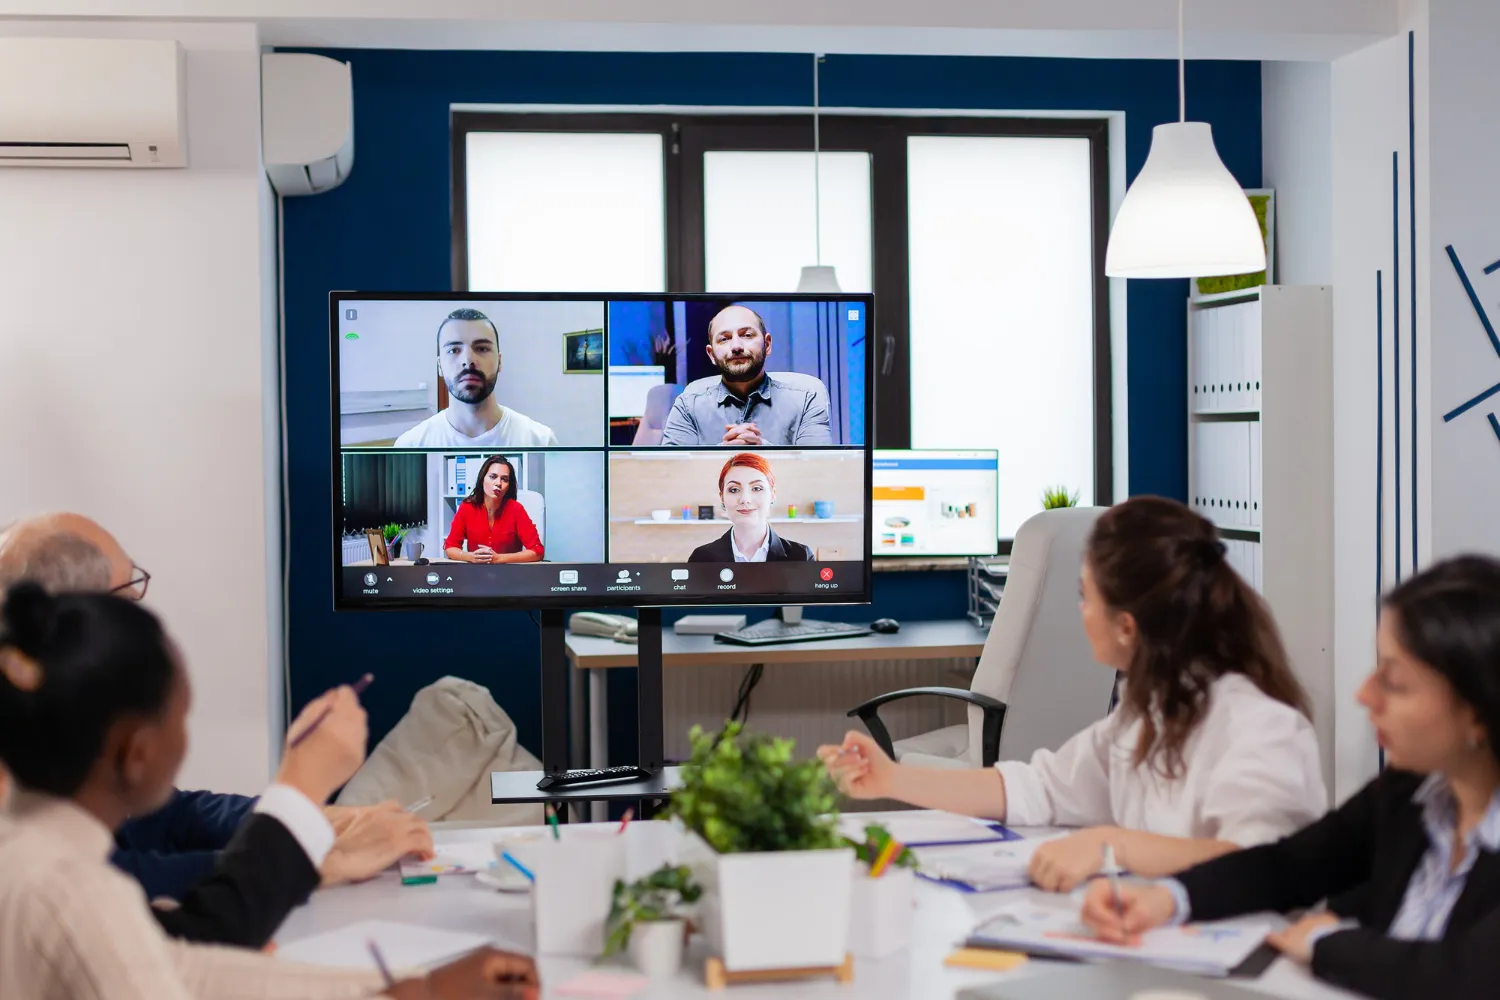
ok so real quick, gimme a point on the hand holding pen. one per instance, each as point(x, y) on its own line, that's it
point(326, 743)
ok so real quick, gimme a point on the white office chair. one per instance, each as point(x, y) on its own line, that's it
point(1037, 682)
point(659, 400)
point(531, 501)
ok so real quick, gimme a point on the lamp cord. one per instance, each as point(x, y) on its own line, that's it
point(1181, 70)
point(817, 167)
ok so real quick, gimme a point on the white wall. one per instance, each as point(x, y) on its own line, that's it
point(1369, 122)
point(1461, 460)
point(1297, 160)
point(133, 320)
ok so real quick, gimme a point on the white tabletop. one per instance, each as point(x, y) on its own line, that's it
point(943, 918)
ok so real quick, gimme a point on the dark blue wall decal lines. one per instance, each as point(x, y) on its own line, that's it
point(1484, 318)
point(1411, 205)
point(1379, 438)
point(1463, 408)
point(1396, 339)
point(1491, 269)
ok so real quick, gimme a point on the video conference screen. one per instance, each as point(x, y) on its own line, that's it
point(593, 450)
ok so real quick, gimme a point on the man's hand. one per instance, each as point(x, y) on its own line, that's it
point(484, 974)
point(339, 817)
point(332, 752)
point(1060, 865)
point(1293, 942)
point(375, 838)
point(743, 434)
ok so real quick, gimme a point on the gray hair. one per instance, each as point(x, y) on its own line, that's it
point(60, 561)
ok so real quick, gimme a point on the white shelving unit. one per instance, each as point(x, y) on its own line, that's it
point(1260, 460)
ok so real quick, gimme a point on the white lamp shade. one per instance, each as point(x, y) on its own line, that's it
point(1185, 216)
point(819, 278)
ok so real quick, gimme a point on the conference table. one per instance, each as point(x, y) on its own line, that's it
point(943, 918)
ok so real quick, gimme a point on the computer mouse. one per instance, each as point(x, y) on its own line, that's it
point(886, 625)
point(419, 562)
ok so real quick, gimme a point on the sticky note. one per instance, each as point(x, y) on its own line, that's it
point(602, 985)
point(985, 958)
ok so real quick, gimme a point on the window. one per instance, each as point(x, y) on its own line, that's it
point(982, 239)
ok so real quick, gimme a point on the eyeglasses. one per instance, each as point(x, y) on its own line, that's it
point(135, 587)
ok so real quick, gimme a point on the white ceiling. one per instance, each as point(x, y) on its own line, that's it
point(1227, 29)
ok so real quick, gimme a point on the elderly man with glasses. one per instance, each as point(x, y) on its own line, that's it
point(230, 868)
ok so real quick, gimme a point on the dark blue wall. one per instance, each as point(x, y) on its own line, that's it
point(387, 227)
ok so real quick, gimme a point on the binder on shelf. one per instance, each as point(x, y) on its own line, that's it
point(1255, 475)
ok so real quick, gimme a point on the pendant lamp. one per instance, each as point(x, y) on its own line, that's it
point(1185, 216)
point(817, 277)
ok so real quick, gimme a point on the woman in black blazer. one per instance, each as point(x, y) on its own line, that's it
point(1410, 866)
point(747, 489)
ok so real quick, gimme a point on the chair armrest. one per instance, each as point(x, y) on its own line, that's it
point(993, 708)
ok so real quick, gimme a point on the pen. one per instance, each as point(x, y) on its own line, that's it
point(506, 857)
point(419, 805)
point(1112, 870)
point(625, 820)
point(385, 972)
point(552, 822)
point(358, 687)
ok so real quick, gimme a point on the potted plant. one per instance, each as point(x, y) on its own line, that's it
point(885, 885)
point(392, 533)
point(649, 917)
point(1054, 497)
point(763, 830)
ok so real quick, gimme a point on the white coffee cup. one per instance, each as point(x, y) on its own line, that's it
point(661, 515)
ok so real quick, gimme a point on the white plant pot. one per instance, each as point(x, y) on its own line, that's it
point(880, 917)
point(656, 947)
point(777, 910)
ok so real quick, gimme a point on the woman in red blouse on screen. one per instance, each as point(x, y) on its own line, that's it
point(492, 521)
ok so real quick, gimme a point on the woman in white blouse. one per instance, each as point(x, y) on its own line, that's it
point(1209, 750)
point(93, 711)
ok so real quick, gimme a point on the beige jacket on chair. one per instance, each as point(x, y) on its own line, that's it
point(445, 747)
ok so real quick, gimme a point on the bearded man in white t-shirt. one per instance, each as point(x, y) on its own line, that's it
point(469, 362)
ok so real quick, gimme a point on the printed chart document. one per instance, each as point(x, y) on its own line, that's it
point(1048, 928)
point(917, 828)
point(404, 946)
point(983, 866)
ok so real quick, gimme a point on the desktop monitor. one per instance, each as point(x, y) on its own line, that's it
point(935, 503)
point(585, 450)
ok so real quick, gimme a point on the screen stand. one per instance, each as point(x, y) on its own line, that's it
point(555, 707)
point(791, 615)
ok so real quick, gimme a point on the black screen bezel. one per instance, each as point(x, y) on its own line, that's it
point(605, 600)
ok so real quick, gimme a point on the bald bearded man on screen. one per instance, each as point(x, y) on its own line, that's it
point(744, 406)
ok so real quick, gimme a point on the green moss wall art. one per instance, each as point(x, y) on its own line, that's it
point(1263, 200)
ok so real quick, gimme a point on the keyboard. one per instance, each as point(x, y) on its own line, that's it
point(600, 776)
point(774, 630)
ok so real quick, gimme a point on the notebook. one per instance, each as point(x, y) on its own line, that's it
point(462, 858)
point(1052, 929)
point(404, 946)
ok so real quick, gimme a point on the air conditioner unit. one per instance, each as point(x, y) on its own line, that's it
point(306, 121)
point(92, 102)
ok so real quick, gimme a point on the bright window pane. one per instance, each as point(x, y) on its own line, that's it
point(1002, 309)
point(565, 212)
point(758, 228)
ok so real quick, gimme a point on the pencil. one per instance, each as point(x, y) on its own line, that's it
point(506, 857)
point(888, 853)
point(1113, 871)
point(419, 805)
point(552, 821)
point(625, 820)
point(385, 972)
point(359, 688)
